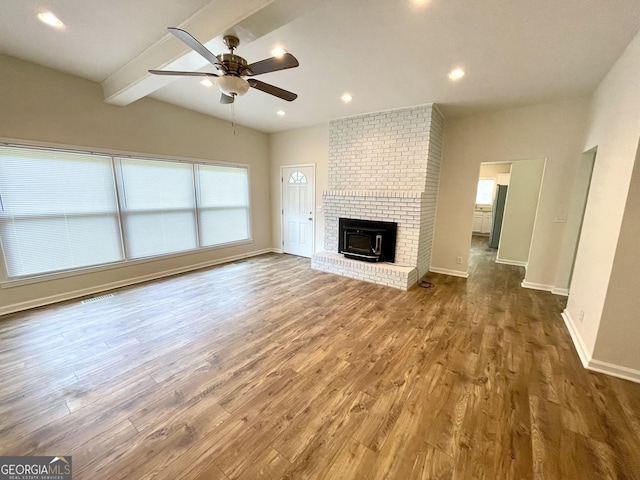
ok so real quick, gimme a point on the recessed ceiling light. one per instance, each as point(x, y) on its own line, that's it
point(281, 113)
point(346, 98)
point(206, 82)
point(50, 19)
point(278, 52)
point(456, 74)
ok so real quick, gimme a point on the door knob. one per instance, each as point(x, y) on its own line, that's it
point(310, 218)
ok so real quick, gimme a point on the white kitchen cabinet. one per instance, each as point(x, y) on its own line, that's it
point(482, 222)
point(486, 222)
point(477, 221)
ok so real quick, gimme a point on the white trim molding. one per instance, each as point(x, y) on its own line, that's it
point(537, 286)
point(446, 271)
point(516, 263)
point(587, 360)
point(545, 288)
point(614, 370)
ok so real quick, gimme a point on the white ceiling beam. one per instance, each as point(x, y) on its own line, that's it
point(247, 19)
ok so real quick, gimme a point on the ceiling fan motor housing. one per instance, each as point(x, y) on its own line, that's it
point(234, 64)
point(231, 83)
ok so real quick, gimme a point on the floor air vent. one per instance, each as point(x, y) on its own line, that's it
point(97, 299)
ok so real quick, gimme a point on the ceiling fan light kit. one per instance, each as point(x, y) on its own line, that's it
point(232, 68)
point(232, 86)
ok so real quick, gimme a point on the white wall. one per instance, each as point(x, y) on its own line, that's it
point(614, 128)
point(618, 339)
point(43, 105)
point(575, 215)
point(308, 145)
point(554, 131)
point(520, 211)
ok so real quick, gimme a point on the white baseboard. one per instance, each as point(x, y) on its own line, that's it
point(516, 263)
point(545, 288)
point(615, 370)
point(39, 302)
point(277, 250)
point(589, 363)
point(537, 286)
point(445, 271)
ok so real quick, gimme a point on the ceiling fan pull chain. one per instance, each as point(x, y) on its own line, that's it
point(233, 117)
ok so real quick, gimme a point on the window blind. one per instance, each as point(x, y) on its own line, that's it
point(223, 204)
point(58, 211)
point(158, 207)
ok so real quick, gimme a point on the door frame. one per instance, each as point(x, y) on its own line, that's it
point(313, 204)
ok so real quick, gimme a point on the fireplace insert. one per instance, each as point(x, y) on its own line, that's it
point(367, 240)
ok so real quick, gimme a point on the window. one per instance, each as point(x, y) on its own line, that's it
point(62, 211)
point(58, 211)
point(158, 207)
point(484, 195)
point(223, 204)
point(297, 177)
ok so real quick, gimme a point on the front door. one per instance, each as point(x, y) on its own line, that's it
point(297, 210)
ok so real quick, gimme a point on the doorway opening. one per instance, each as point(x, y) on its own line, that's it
point(505, 211)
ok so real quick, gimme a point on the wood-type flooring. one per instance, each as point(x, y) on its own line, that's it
point(264, 368)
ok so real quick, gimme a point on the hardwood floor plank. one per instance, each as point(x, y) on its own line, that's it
point(354, 460)
point(269, 465)
point(432, 464)
point(100, 448)
point(81, 426)
point(25, 421)
point(152, 453)
point(397, 456)
point(303, 431)
point(545, 438)
point(332, 433)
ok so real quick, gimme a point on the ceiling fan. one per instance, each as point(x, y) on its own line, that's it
point(232, 68)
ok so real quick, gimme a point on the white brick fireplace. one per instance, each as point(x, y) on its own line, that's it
point(384, 167)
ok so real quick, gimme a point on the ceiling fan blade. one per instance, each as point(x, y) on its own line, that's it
point(272, 90)
point(224, 98)
point(187, 74)
point(194, 44)
point(272, 64)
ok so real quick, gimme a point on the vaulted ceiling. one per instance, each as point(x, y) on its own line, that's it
point(385, 53)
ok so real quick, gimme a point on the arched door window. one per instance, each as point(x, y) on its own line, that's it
point(297, 177)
